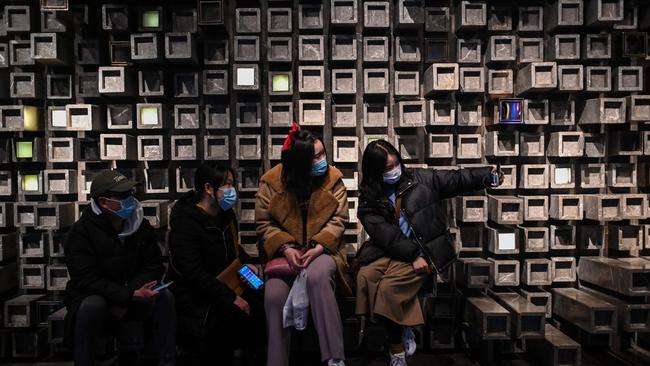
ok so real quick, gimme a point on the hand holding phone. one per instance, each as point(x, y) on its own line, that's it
point(250, 277)
point(162, 286)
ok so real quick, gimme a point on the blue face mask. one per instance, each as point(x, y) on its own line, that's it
point(393, 176)
point(229, 199)
point(127, 207)
point(319, 168)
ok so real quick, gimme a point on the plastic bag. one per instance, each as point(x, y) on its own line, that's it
point(296, 309)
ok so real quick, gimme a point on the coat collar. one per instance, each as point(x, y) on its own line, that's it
point(407, 182)
point(274, 178)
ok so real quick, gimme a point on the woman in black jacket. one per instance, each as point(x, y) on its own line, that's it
point(402, 212)
point(212, 319)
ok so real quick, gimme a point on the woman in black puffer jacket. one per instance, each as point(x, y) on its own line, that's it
point(402, 212)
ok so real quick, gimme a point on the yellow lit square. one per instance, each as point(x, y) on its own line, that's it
point(151, 19)
point(24, 149)
point(149, 116)
point(281, 83)
point(30, 183)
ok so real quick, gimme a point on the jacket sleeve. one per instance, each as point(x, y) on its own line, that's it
point(451, 183)
point(152, 263)
point(268, 230)
point(186, 258)
point(387, 236)
point(330, 235)
point(81, 261)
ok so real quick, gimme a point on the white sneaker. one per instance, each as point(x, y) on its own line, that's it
point(408, 340)
point(334, 362)
point(398, 359)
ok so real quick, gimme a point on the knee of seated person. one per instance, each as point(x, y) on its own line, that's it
point(274, 299)
point(318, 280)
point(94, 304)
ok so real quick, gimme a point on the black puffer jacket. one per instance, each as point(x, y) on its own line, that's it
point(422, 191)
point(200, 248)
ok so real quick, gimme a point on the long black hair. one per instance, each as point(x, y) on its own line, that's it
point(297, 161)
point(211, 173)
point(373, 165)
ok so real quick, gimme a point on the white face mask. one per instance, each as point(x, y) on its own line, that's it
point(392, 176)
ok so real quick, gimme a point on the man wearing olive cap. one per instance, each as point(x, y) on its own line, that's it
point(115, 263)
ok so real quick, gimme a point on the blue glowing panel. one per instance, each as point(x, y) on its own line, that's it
point(511, 110)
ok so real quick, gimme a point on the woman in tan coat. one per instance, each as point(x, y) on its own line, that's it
point(301, 212)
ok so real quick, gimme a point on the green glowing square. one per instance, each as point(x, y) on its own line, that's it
point(281, 83)
point(149, 116)
point(24, 149)
point(30, 183)
point(151, 19)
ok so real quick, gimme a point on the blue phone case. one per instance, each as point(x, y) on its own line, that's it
point(251, 277)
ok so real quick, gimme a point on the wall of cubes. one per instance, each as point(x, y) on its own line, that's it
point(553, 91)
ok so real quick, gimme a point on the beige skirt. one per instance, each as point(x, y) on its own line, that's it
point(389, 288)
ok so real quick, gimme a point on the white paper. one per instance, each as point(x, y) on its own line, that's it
point(562, 175)
point(506, 241)
point(245, 76)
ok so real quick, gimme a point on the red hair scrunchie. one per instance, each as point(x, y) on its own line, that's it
point(290, 137)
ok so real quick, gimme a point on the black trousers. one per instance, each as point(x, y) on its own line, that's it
point(94, 317)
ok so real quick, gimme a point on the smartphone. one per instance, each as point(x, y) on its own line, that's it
point(495, 176)
point(254, 280)
point(162, 286)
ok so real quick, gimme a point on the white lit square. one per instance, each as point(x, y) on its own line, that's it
point(246, 76)
point(562, 175)
point(59, 118)
point(506, 241)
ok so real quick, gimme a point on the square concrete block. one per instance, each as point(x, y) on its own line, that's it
point(472, 208)
point(638, 108)
point(145, 47)
point(531, 19)
point(411, 114)
point(597, 47)
point(57, 277)
point(598, 78)
point(32, 244)
point(441, 146)
point(184, 20)
point(635, 44)
point(310, 16)
point(470, 113)
point(274, 146)
point(471, 240)
point(499, 18)
point(376, 14)
point(563, 237)
point(502, 143)
point(563, 113)
point(210, 12)
point(246, 77)
point(62, 149)
point(246, 48)
point(344, 81)
point(603, 12)
point(21, 311)
point(409, 147)
point(472, 79)
point(471, 15)
point(20, 53)
point(441, 77)
point(505, 210)
point(437, 50)
point(279, 49)
point(406, 83)
point(563, 269)
point(541, 298)
point(215, 52)
point(280, 82)
point(311, 112)
point(151, 116)
point(566, 207)
point(437, 19)
point(115, 80)
point(409, 13)
point(635, 206)
point(344, 47)
point(468, 51)
point(566, 144)
point(503, 241)
point(248, 147)
point(216, 147)
point(531, 144)
point(156, 181)
point(375, 115)
point(603, 110)
point(22, 118)
point(564, 14)
point(535, 208)
point(311, 79)
point(180, 47)
point(344, 12)
point(534, 239)
point(279, 20)
point(375, 49)
point(570, 78)
point(502, 49)
point(474, 273)
point(31, 277)
point(537, 272)
point(630, 18)
point(592, 175)
point(346, 149)
point(310, 48)
point(594, 145)
point(625, 237)
point(248, 115)
point(115, 17)
point(629, 78)
point(117, 147)
point(215, 82)
point(591, 236)
point(537, 77)
point(469, 146)
point(562, 175)
point(408, 49)
point(534, 176)
point(376, 81)
point(186, 116)
point(441, 112)
point(247, 20)
point(344, 115)
point(87, 84)
point(500, 82)
point(186, 85)
point(622, 175)
point(25, 85)
point(531, 50)
point(184, 147)
point(509, 177)
point(603, 207)
point(82, 117)
point(506, 272)
point(625, 143)
point(536, 112)
point(50, 48)
point(564, 47)
point(151, 83)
